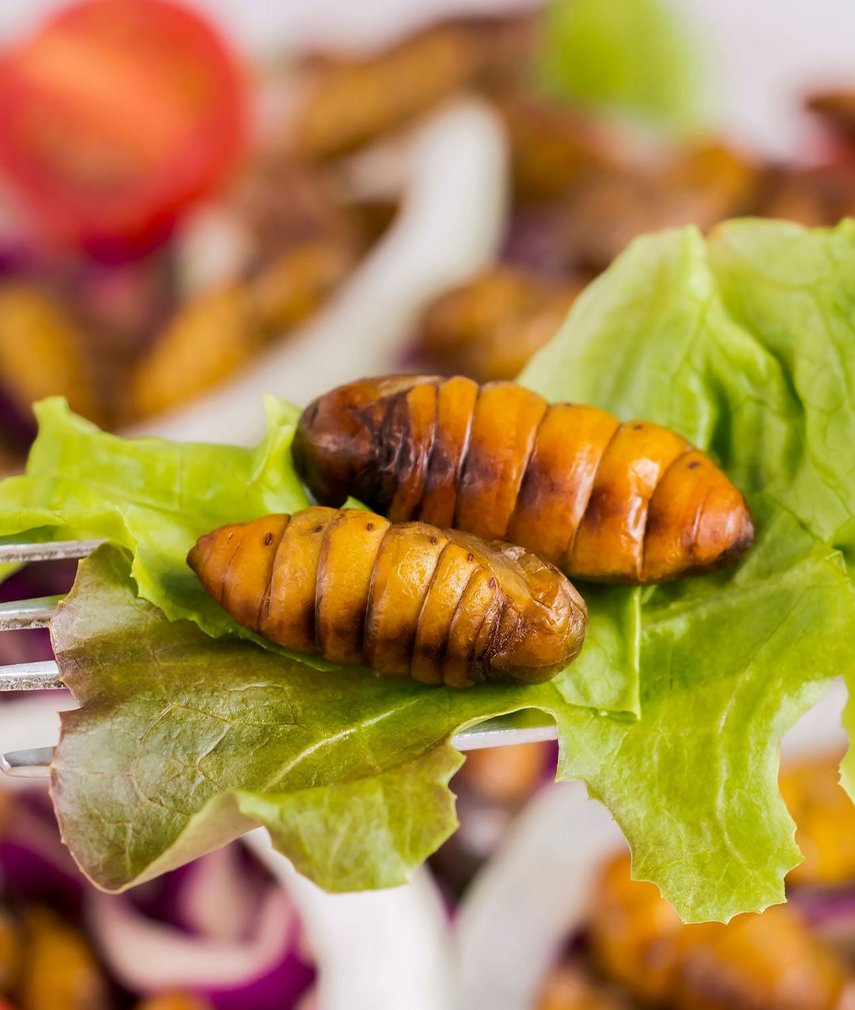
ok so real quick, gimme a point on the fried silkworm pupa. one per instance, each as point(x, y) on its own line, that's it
point(774, 959)
point(405, 599)
point(631, 503)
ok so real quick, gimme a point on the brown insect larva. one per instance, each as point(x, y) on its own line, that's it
point(770, 960)
point(406, 599)
point(630, 503)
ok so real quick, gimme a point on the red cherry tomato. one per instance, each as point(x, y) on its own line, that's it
point(115, 115)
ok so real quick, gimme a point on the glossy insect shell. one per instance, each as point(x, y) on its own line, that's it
point(405, 599)
point(630, 503)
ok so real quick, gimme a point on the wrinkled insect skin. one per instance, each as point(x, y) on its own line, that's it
point(631, 503)
point(405, 599)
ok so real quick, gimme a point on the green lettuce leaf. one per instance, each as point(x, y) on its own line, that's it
point(182, 743)
point(633, 57)
point(744, 343)
point(156, 498)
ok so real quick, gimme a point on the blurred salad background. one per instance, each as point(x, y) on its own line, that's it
point(201, 203)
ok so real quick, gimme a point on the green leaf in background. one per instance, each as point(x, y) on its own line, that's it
point(634, 57)
point(745, 344)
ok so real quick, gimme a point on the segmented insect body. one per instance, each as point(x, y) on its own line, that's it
point(406, 599)
point(769, 960)
point(631, 503)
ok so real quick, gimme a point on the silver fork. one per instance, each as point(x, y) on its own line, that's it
point(44, 676)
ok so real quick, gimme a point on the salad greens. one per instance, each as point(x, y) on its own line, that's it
point(153, 497)
point(634, 57)
point(156, 498)
point(745, 344)
point(182, 744)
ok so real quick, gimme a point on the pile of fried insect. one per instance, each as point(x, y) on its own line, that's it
point(482, 496)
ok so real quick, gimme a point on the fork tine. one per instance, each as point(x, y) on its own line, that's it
point(27, 764)
point(35, 763)
point(58, 550)
point(473, 739)
point(23, 614)
point(36, 613)
point(42, 676)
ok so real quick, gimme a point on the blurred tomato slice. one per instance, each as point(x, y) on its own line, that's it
point(116, 114)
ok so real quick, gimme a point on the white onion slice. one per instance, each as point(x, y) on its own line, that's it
point(216, 899)
point(449, 227)
point(377, 950)
point(530, 896)
point(149, 956)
